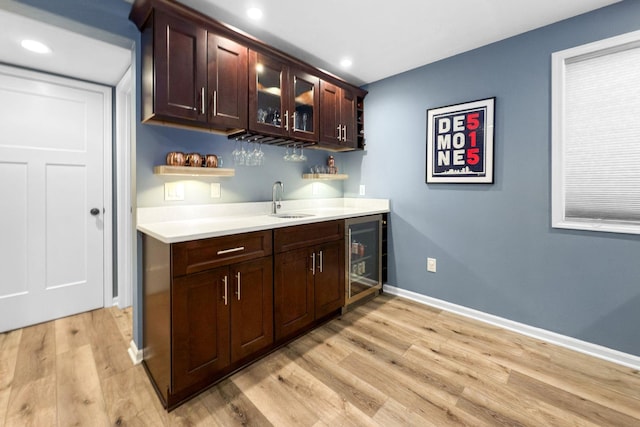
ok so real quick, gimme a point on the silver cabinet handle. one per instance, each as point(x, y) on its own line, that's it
point(238, 284)
point(321, 261)
point(228, 251)
point(339, 134)
point(202, 100)
point(286, 120)
point(344, 133)
point(215, 103)
point(226, 285)
point(293, 121)
point(313, 263)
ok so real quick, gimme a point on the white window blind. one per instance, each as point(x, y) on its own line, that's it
point(596, 136)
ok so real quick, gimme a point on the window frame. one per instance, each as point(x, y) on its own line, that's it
point(559, 60)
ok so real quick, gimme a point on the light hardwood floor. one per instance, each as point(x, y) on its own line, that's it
point(389, 362)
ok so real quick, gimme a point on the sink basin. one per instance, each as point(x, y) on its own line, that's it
point(291, 215)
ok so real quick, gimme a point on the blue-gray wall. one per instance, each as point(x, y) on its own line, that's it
point(496, 251)
point(250, 184)
point(495, 248)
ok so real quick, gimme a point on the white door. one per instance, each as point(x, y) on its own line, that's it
point(53, 133)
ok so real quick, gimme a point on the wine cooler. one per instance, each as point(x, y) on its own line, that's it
point(364, 257)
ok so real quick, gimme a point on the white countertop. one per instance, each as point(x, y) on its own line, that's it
point(182, 223)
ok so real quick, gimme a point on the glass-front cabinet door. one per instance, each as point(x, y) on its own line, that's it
point(282, 101)
point(267, 95)
point(304, 106)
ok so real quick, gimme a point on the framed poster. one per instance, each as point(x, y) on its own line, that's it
point(460, 143)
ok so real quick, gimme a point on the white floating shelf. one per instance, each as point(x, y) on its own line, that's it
point(325, 176)
point(192, 171)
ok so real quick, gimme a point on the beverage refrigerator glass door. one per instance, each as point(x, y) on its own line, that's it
point(364, 257)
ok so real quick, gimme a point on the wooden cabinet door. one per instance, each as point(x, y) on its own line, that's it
point(338, 116)
point(268, 93)
point(251, 307)
point(200, 332)
point(348, 118)
point(180, 68)
point(303, 106)
point(294, 306)
point(227, 82)
point(329, 278)
point(330, 126)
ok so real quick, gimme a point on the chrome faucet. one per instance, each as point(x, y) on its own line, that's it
point(274, 191)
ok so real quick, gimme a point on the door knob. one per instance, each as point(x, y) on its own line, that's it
point(94, 211)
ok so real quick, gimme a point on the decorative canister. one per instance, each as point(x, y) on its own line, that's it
point(211, 161)
point(194, 159)
point(176, 158)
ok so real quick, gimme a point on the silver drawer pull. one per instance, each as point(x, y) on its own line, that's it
point(228, 251)
point(226, 284)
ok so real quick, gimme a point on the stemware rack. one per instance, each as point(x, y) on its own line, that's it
point(268, 140)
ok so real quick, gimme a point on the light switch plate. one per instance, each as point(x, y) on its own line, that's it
point(362, 190)
point(173, 191)
point(215, 190)
point(315, 188)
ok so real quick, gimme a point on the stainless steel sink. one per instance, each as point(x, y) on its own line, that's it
point(291, 215)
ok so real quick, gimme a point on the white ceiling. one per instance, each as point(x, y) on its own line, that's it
point(72, 55)
point(382, 38)
point(386, 37)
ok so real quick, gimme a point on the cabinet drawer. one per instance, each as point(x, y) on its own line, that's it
point(300, 236)
point(200, 255)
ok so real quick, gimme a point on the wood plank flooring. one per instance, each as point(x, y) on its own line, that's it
point(389, 362)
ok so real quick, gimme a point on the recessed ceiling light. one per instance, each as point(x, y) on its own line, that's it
point(254, 13)
point(346, 63)
point(35, 46)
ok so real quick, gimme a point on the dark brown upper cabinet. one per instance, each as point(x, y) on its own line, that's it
point(192, 76)
point(337, 117)
point(283, 101)
point(180, 79)
point(227, 82)
point(202, 74)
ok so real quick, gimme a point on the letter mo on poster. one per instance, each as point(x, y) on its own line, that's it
point(459, 143)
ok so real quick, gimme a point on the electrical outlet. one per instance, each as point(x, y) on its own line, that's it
point(362, 189)
point(215, 190)
point(173, 191)
point(431, 265)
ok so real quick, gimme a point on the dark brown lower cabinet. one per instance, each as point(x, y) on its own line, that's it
point(309, 280)
point(212, 306)
point(294, 299)
point(201, 326)
point(200, 333)
point(220, 317)
point(329, 278)
point(251, 308)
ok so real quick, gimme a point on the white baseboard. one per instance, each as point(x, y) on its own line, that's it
point(584, 347)
point(134, 353)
